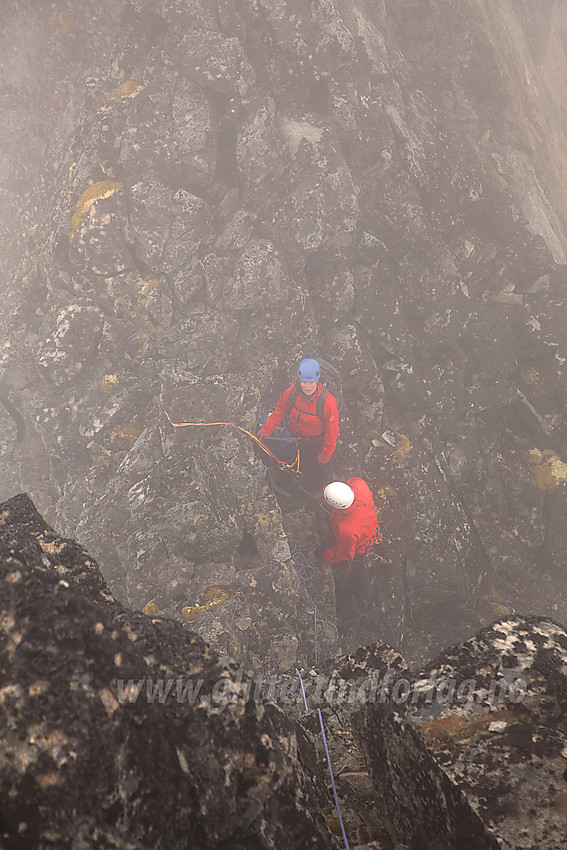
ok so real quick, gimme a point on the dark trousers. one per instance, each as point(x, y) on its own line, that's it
point(351, 581)
point(359, 581)
point(314, 476)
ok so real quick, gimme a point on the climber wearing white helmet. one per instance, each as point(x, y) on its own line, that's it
point(338, 495)
point(354, 523)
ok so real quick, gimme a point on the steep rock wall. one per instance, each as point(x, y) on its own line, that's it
point(201, 193)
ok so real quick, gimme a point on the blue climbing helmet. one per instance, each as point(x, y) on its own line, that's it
point(309, 370)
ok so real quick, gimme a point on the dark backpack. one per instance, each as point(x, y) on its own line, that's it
point(331, 381)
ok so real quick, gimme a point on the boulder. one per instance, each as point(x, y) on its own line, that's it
point(470, 752)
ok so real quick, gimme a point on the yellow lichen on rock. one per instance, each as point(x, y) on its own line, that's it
point(403, 449)
point(51, 548)
point(129, 433)
point(107, 382)
point(214, 596)
point(385, 493)
point(122, 301)
point(109, 701)
point(550, 471)
point(97, 192)
point(67, 21)
point(149, 283)
point(333, 822)
point(457, 727)
point(129, 89)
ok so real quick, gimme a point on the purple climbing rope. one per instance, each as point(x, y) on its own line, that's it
point(335, 795)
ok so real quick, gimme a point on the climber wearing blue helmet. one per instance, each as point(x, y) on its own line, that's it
point(309, 370)
point(313, 417)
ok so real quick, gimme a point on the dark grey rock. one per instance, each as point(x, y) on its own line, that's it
point(93, 756)
point(479, 736)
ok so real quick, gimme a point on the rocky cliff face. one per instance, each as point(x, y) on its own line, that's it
point(197, 194)
point(120, 729)
point(113, 733)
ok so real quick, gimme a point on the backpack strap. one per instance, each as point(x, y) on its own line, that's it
point(292, 399)
point(321, 399)
point(321, 403)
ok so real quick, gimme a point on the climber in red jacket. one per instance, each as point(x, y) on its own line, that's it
point(354, 523)
point(313, 417)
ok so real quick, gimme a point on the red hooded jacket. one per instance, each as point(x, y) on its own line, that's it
point(304, 422)
point(354, 527)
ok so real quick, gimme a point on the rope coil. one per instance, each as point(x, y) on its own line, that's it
point(293, 467)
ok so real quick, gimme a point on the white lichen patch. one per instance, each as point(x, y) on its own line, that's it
point(38, 688)
point(53, 742)
point(296, 131)
point(498, 726)
point(52, 548)
point(109, 701)
point(182, 761)
point(549, 632)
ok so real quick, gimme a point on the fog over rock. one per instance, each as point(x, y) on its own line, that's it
point(194, 196)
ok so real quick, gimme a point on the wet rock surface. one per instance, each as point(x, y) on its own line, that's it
point(199, 195)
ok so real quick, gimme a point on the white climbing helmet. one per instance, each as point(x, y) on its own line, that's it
point(338, 495)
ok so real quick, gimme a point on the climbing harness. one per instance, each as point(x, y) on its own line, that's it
point(292, 467)
point(335, 795)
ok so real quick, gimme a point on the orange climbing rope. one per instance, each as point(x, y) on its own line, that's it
point(293, 467)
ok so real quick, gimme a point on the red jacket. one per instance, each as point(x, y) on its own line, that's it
point(354, 527)
point(304, 422)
